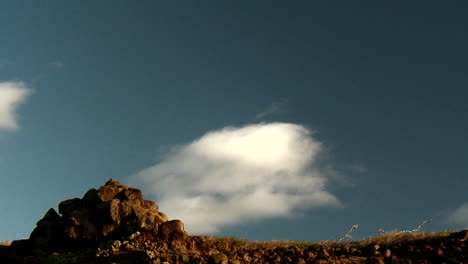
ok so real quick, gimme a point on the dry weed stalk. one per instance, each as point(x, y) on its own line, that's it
point(347, 235)
point(382, 232)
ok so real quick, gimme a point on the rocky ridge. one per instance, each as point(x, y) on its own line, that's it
point(114, 224)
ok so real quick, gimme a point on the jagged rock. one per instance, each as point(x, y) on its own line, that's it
point(48, 232)
point(91, 198)
point(113, 211)
point(172, 230)
point(110, 190)
point(69, 205)
point(219, 258)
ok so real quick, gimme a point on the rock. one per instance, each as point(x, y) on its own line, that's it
point(171, 230)
point(129, 194)
point(91, 198)
point(246, 257)
point(49, 232)
point(375, 260)
point(219, 258)
point(114, 224)
point(185, 258)
point(234, 261)
point(300, 261)
point(113, 211)
point(21, 247)
point(110, 190)
point(69, 205)
point(77, 224)
point(320, 261)
point(460, 236)
point(323, 253)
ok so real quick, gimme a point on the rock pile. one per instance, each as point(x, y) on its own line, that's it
point(115, 225)
point(114, 211)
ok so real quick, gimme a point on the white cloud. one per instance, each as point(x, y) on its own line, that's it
point(239, 174)
point(273, 108)
point(459, 216)
point(12, 94)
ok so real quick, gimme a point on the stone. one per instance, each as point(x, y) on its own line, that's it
point(91, 198)
point(49, 232)
point(219, 258)
point(375, 260)
point(110, 190)
point(300, 261)
point(172, 230)
point(185, 258)
point(320, 261)
point(78, 224)
point(460, 236)
point(69, 205)
point(112, 211)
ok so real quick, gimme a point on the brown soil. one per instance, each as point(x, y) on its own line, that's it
point(141, 248)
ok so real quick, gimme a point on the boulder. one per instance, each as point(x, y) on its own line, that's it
point(219, 258)
point(110, 190)
point(49, 231)
point(91, 198)
point(172, 230)
point(69, 205)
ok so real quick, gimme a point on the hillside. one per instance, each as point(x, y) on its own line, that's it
point(114, 224)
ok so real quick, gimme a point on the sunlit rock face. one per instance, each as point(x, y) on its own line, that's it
point(114, 211)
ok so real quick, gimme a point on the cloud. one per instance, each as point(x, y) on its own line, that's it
point(273, 108)
point(12, 94)
point(239, 174)
point(56, 64)
point(459, 216)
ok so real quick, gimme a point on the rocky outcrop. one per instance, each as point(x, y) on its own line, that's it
point(114, 224)
point(114, 211)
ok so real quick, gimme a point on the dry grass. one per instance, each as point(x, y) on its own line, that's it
point(396, 237)
point(385, 239)
point(259, 244)
point(5, 243)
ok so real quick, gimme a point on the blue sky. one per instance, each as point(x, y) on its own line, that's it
point(244, 118)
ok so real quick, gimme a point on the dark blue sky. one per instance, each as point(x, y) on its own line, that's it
point(115, 84)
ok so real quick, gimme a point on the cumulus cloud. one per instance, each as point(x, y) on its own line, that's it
point(12, 94)
point(239, 174)
point(459, 216)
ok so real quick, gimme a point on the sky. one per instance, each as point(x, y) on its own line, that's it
point(257, 119)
